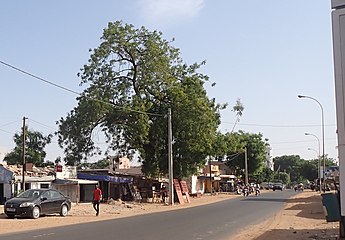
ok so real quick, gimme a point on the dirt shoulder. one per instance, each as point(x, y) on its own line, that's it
point(302, 218)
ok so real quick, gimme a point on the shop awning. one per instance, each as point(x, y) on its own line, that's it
point(73, 181)
point(227, 176)
point(106, 178)
point(203, 177)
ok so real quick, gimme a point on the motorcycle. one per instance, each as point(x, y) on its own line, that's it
point(245, 191)
point(257, 191)
point(238, 190)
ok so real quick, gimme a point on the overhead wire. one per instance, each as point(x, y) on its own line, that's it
point(74, 92)
point(49, 127)
point(6, 124)
point(2, 130)
point(131, 110)
point(278, 126)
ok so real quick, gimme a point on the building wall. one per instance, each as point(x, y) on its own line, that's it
point(7, 191)
point(196, 185)
point(67, 172)
point(70, 190)
point(38, 185)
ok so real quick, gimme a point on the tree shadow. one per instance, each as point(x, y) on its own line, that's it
point(309, 207)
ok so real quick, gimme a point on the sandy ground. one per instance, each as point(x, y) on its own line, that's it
point(302, 218)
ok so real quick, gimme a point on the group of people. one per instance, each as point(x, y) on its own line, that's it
point(240, 189)
point(248, 189)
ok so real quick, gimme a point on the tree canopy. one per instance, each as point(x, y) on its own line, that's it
point(34, 148)
point(255, 146)
point(300, 169)
point(131, 80)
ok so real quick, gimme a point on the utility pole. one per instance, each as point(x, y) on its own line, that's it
point(170, 160)
point(246, 166)
point(210, 168)
point(23, 154)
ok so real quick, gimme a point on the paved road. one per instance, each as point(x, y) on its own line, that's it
point(214, 221)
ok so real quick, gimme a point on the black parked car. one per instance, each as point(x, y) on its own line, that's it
point(35, 202)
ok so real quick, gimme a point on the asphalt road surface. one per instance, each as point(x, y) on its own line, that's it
point(215, 221)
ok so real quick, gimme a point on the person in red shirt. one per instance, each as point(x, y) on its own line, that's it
point(97, 197)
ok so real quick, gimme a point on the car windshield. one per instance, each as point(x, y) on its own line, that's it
point(29, 194)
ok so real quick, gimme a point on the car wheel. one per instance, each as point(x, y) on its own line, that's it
point(35, 212)
point(64, 211)
point(10, 216)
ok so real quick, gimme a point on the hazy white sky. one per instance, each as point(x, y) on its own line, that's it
point(259, 51)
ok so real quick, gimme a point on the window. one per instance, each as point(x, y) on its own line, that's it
point(55, 194)
point(27, 186)
point(44, 185)
point(46, 194)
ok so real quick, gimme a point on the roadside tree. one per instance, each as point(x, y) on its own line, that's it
point(131, 80)
point(256, 152)
point(34, 148)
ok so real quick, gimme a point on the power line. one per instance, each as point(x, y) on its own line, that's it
point(6, 124)
point(300, 141)
point(39, 78)
point(74, 92)
point(234, 156)
point(7, 131)
point(278, 126)
point(42, 124)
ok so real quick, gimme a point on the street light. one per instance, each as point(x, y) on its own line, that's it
point(319, 167)
point(323, 138)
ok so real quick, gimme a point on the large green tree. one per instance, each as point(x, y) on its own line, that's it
point(290, 164)
point(131, 80)
point(256, 151)
point(300, 169)
point(34, 148)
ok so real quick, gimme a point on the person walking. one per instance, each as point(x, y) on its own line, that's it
point(97, 196)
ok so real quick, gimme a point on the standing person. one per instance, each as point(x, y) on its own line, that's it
point(97, 196)
point(164, 193)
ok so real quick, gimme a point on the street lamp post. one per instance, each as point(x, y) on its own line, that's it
point(319, 157)
point(323, 138)
point(318, 168)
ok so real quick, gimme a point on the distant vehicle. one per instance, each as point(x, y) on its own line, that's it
point(36, 202)
point(278, 186)
point(266, 186)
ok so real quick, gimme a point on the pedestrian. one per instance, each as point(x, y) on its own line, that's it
point(97, 196)
point(164, 193)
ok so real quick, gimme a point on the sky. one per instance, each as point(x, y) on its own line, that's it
point(261, 52)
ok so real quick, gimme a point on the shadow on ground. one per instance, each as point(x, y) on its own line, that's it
point(300, 234)
point(310, 207)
